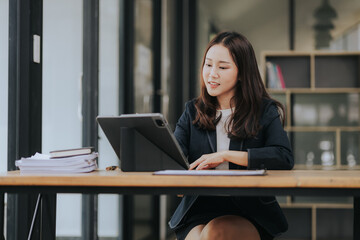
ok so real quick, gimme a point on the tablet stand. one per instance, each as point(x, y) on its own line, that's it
point(138, 154)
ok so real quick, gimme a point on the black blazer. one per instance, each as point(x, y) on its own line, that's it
point(270, 149)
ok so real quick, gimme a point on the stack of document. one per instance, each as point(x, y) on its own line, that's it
point(42, 163)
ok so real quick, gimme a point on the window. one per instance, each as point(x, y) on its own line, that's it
point(4, 35)
point(62, 73)
point(109, 21)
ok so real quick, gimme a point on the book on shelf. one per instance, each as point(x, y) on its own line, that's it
point(280, 76)
point(71, 152)
point(275, 78)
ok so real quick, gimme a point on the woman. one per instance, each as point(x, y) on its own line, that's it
point(233, 124)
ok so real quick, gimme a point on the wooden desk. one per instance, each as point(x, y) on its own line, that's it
point(296, 182)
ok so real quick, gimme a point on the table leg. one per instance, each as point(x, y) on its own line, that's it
point(34, 215)
point(356, 218)
point(2, 205)
point(45, 210)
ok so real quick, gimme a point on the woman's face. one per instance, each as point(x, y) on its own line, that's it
point(220, 74)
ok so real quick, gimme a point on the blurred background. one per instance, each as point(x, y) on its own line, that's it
point(148, 58)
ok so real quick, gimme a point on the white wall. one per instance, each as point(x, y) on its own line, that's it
point(4, 35)
point(348, 40)
point(266, 23)
point(266, 30)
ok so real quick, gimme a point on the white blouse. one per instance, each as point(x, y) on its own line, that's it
point(222, 139)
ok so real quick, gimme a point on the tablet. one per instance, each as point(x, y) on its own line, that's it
point(143, 142)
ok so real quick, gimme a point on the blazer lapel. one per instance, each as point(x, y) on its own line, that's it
point(212, 140)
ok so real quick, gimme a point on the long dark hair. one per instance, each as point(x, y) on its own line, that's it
point(249, 95)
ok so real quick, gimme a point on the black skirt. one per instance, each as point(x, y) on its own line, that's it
point(207, 208)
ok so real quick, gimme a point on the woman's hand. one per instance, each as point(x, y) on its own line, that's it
point(212, 160)
point(208, 161)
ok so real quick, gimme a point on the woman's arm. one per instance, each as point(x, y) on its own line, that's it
point(212, 160)
point(275, 153)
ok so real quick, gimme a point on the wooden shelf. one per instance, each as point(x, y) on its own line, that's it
point(327, 168)
point(310, 79)
point(308, 53)
point(317, 205)
point(321, 128)
point(313, 90)
point(316, 69)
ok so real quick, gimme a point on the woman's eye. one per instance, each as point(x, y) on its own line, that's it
point(222, 67)
point(208, 65)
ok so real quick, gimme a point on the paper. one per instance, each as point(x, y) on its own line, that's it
point(42, 163)
point(212, 172)
point(58, 170)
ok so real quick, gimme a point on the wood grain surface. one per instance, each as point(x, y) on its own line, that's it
point(280, 179)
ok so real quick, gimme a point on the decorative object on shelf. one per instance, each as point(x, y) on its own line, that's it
point(310, 159)
point(327, 156)
point(323, 15)
point(350, 156)
point(353, 110)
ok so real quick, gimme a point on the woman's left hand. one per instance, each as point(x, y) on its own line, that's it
point(208, 161)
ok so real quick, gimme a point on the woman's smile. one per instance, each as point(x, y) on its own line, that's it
point(213, 84)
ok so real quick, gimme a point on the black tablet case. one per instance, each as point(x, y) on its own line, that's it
point(143, 142)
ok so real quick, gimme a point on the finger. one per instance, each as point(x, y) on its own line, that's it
point(196, 163)
point(208, 164)
point(203, 165)
point(193, 165)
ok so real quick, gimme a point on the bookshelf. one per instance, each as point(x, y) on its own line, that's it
point(322, 101)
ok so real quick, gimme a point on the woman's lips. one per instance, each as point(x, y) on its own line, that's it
point(213, 84)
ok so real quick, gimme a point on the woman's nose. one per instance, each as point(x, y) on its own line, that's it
point(213, 72)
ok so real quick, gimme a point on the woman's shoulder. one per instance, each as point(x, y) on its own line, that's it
point(190, 106)
point(267, 103)
point(269, 110)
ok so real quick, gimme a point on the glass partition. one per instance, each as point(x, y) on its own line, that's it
point(62, 73)
point(143, 56)
point(143, 93)
point(109, 21)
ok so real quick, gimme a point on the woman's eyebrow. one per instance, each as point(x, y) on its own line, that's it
point(209, 59)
